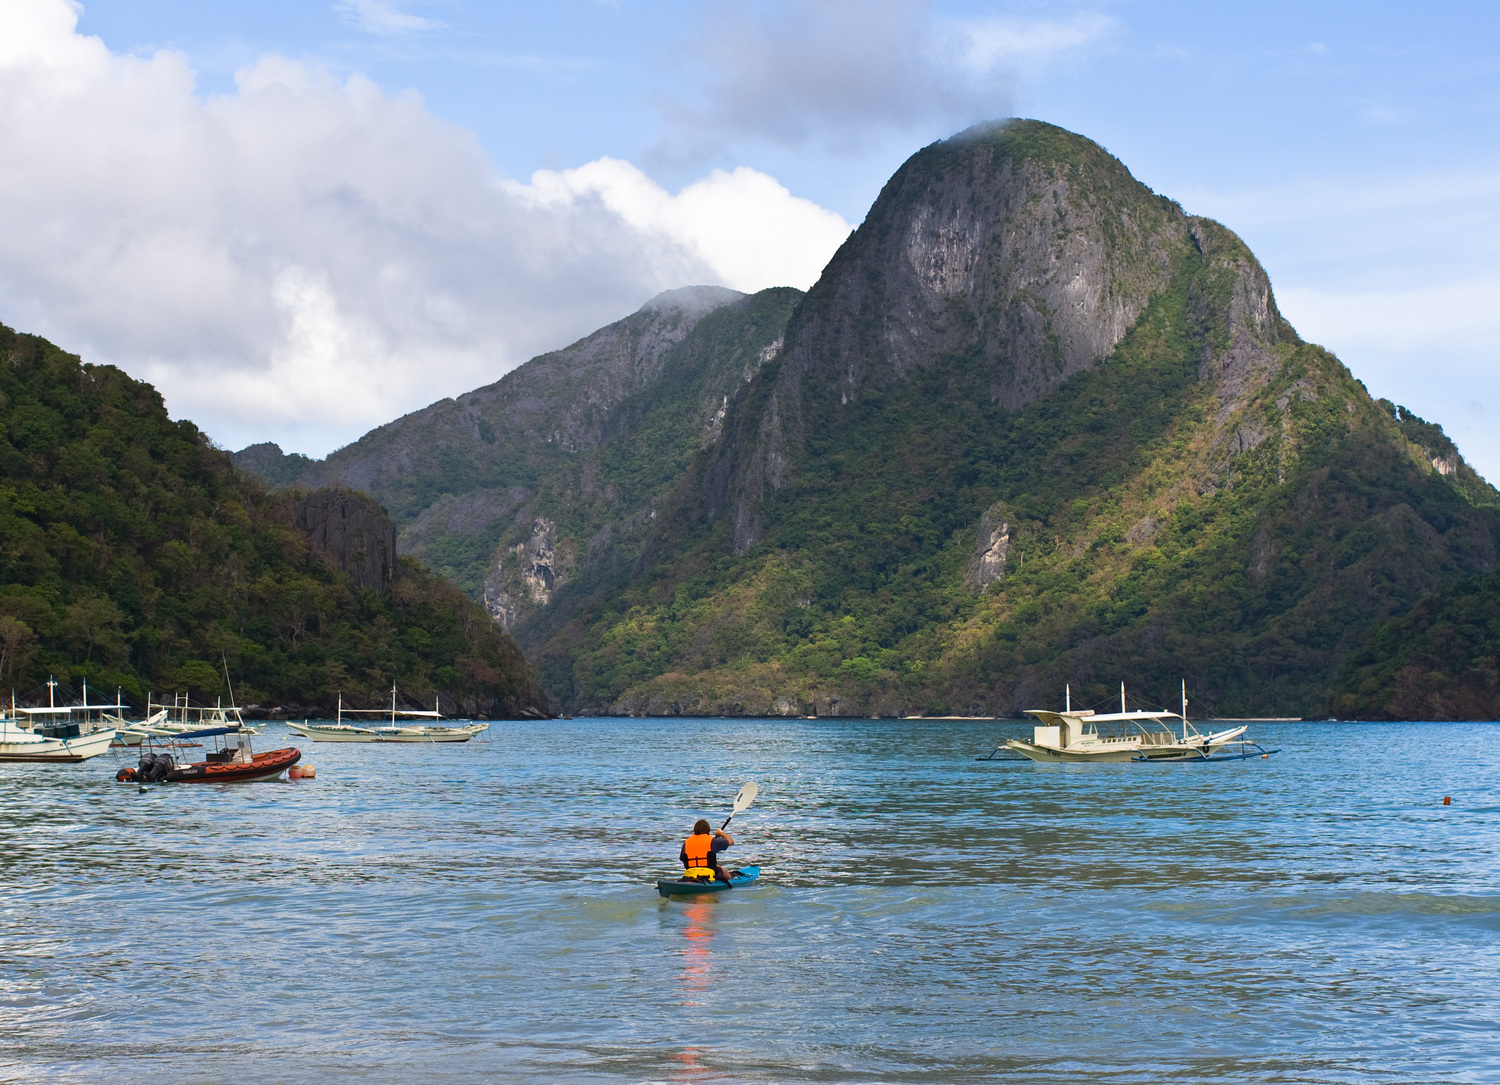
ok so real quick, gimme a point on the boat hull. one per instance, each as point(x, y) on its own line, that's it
point(263, 766)
point(15, 750)
point(426, 734)
point(676, 887)
point(346, 733)
point(334, 732)
point(1049, 754)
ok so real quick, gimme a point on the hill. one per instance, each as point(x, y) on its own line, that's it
point(1034, 425)
point(136, 555)
point(533, 491)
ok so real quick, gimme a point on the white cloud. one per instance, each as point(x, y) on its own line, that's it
point(840, 73)
point(307, 257)
point(744, 225)
point(1017, 42)
point(383, 17)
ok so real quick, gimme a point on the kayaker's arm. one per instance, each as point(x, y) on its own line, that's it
point(722, 835)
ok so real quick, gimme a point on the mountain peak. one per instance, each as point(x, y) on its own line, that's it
point(693, 301)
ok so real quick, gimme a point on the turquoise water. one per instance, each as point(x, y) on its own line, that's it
point(485, 913)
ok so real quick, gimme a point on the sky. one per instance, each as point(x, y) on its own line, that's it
point(301, 220)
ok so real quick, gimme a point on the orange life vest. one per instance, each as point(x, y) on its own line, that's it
point(699, 850)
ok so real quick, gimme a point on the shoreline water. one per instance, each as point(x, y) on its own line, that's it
point(487, 912)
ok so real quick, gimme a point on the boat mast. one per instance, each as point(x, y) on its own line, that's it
point(1122, 698)
point(1184, 710)
point(51, 689)
point(393, 704)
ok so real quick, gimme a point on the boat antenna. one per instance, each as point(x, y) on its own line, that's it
point(1184, 710)
point(227, 684)
point(393, 704)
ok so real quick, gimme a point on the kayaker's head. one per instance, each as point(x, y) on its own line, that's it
point(701, 827)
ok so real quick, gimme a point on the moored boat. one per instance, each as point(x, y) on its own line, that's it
point(1142, 735)
point(233, 762)
point(59, 734)
point(339, 731)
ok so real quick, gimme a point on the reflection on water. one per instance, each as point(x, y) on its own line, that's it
point(697, 941)
point(488, 913)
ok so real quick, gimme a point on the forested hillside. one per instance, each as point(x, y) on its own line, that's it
point(133, 554)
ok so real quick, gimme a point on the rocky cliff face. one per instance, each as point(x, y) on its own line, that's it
point(549, 479)
point(353, 532)
point(1021, 248)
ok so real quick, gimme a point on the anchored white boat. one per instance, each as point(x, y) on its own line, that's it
point(56, 733)
point(167, 722)
point(1086, 735)
point(339, 731)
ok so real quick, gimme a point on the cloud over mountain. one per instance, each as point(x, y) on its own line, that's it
point(836, 74)
point(308, 256)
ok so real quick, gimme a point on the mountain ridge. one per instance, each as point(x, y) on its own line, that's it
point(1034, 425)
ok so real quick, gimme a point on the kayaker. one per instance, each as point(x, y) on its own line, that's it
point(700, 851)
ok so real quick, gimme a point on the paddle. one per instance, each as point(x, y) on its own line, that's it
point(742, 802)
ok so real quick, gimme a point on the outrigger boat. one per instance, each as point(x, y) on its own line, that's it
point(164, 722)
point(339, 731)
point(233, 762)
point(1125, 736)
point(56, 733)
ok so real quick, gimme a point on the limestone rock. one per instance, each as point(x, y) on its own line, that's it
point(352, 531)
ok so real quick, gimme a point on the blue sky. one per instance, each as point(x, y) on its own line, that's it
point(1351, 145)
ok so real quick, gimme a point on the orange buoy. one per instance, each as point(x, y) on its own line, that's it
point(1447, 800)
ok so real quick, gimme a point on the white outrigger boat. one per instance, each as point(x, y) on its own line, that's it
point(339, 731)
point(1125, 735)
point(163, 723)
point(56, 733)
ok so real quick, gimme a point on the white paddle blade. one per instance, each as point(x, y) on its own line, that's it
point(746, 796)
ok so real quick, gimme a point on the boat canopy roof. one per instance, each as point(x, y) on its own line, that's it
point(1051, 717)
point(63, 710)
point(387, 712)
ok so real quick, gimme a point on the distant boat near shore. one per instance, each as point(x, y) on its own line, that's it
point(339, 731)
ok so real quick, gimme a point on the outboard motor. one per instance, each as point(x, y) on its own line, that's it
point(155, 767)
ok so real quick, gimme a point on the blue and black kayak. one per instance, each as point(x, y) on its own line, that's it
point(692, 887)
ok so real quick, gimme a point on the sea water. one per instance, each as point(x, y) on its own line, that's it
point(486, 912)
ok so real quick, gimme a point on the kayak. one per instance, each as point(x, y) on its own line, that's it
point(678, 887)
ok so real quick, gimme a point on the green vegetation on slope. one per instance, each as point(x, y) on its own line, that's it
point(133, 554)
point(1440, 661)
